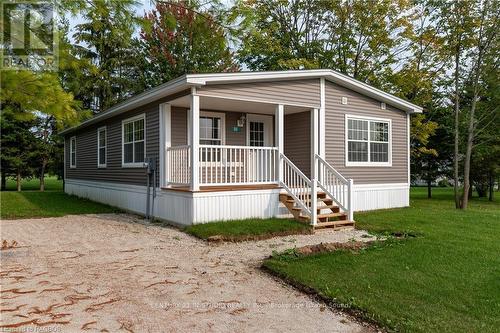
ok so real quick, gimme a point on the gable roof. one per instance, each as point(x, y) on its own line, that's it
point(190, 80)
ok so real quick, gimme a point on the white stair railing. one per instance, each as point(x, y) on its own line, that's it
point(296, 184)
point(336, 186)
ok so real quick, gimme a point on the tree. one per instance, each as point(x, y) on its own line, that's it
point(16, 141)
point(180, 38)
point(485, 43)
point(106, 40)
point(278, 35)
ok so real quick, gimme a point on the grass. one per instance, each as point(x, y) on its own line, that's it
point(249, 229)
point(446, 279)
point(51, 184)
point(51, 203)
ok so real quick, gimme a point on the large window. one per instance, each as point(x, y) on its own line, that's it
point(101, 147)
point(134, 148)
point(72, 152)
point(368, 142)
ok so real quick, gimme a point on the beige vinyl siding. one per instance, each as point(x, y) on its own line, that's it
point(86, 145)
point(86, 149)
point(302, 92)
point(298, 140)
point(360, 105)
point(179, 133)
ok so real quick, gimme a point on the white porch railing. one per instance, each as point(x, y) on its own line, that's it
point(178, 165)
point(237, 165)
point(223, 165)
point(296, 184)
point(336, 186)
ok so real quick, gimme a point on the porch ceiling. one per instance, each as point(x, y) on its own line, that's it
point(222, 104)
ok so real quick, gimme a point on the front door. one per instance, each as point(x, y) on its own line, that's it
point(259, 130)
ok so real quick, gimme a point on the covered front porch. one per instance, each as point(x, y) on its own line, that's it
point(219, 143)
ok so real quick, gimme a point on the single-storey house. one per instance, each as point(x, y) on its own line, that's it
point(316, 144)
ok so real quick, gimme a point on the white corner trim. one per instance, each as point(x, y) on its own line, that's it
point(408, 134)
point(346, 145)
point(322, 119)
point(125, 121)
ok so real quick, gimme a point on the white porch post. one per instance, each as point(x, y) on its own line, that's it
point(194, 135)
point(279, 124)
point(165, 142)
point(314, 151)
point(322, 121)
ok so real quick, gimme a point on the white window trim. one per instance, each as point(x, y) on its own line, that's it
point(125, 121)
point(71, 146)
point(99, 130)
point(346, 137)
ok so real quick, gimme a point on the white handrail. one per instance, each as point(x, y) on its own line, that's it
point(336, 186)
point(296, 184)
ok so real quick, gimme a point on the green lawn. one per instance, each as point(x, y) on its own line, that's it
point(51, 184)
point(248, 229)
point(446, 279)
point(53, 202)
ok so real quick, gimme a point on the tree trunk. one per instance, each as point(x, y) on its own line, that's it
point(429, 189)
point(18, 181)
point(4, 182)
point(457, 111)
point(42, 175)
point(490, 187)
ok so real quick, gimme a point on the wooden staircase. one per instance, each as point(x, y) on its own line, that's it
point(329, 214)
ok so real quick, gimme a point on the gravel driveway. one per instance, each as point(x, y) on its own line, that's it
point(105, 273)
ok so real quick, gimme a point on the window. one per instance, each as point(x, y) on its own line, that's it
point(211, 133)
point(256, 134)
point(368, 142)
point(101, 147)
point(72, 152)
point(134, 148)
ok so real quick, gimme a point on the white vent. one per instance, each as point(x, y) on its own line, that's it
point(344, 100)
point(382, 106)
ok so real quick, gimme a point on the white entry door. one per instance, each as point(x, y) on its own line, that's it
point(259, 130)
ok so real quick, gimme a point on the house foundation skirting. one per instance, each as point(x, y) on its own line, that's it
point(183, 208)
point(186, 208)
point(381, 196)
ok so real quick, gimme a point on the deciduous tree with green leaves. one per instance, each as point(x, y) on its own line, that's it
point(182, 37)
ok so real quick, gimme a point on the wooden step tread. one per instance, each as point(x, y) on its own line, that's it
point(320, 216)
point(334, 223)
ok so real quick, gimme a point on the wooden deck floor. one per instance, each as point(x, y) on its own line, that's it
point(224, 188)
